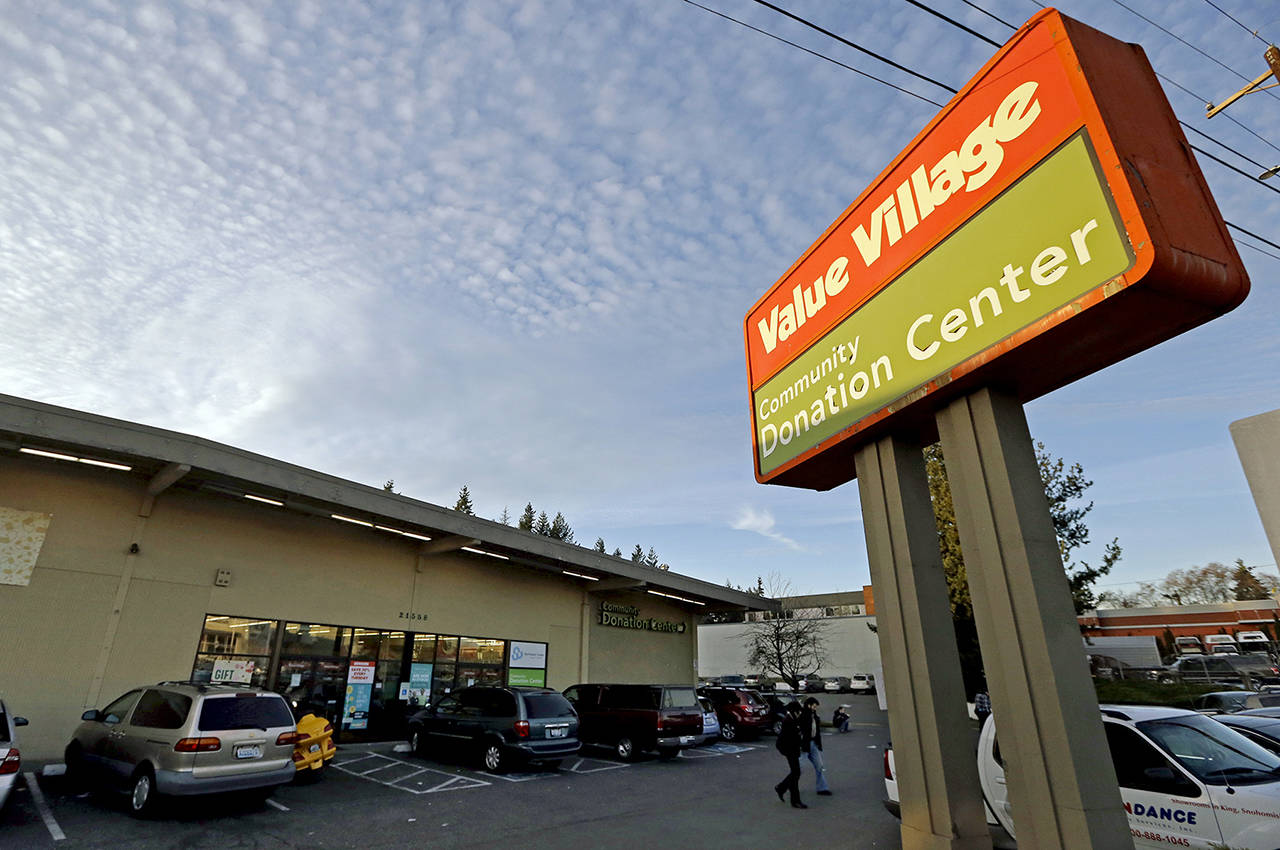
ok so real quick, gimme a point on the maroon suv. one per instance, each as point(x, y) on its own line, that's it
point(741, 712)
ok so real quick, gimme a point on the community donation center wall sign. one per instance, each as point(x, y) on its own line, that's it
point(1048, 222)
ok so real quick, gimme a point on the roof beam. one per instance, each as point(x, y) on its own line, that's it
point(169, 474)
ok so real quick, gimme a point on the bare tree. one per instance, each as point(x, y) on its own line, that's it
point(786, 646)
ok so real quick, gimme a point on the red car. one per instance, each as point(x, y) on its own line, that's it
point(741, 712)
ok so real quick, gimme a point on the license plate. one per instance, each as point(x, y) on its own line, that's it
point(686, 739)
point(249, 751)
point(315, 748)
point(556, 732)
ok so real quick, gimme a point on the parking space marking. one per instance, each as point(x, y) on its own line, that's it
point(281, 806)
point(452, 782)
point(578, 766)
point(43, 807)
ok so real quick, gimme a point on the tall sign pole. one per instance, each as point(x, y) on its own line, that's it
point(1048, 222)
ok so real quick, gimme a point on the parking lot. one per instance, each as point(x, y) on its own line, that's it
point(381, 796)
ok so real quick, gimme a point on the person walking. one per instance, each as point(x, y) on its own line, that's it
point(789, 744)
point(811, 738)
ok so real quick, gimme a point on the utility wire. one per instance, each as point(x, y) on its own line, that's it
point(1187, 126)
point(815, 53)
point(973, 5)
point(1172, 34)
point(1254, 235)
point(1231, 17)
point(1226, 115)
point(953, 22)
point(847, 42)
point(1233, 168)
point(1240, 241)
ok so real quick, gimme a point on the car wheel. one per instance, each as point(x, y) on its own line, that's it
point(75, 776)
point(729, 730)
point(777, 727)
point(142, 793)
point(625, 749)
point(418, 742)
point(493, 757)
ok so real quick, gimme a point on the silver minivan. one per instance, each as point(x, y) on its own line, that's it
point(185, 738)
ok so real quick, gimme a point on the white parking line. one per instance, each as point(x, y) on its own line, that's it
point(452, 782)
point(43, 807)
point(276, 805)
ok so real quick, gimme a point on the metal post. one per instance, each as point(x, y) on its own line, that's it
point(937, 774)
point(1062, 787)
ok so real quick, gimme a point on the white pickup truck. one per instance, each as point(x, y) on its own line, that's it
point(1186, 781)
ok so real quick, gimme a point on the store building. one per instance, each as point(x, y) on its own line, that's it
point(129, 555)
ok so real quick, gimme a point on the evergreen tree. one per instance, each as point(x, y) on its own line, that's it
point(464, 505)
point(560, 529)
point(617, 553)
point(543, 525)
point(1246, 584)
point(637, 554)
point(526, 518)
point(390, 486)
point(599, 547)
point(505, 518)
point(651, 560)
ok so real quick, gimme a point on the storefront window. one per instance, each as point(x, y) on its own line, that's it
point(314, 639)
point(424, 648)
point(481, 651)
point(446, 648)
point(236, 635)
point(366, 644)
point(230, 646)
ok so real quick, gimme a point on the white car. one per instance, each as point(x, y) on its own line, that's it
point(862, 683)
point(10, 758)
point(1186, 780)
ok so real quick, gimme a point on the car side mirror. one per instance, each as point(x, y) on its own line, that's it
point(19, 721)
point(92, 714)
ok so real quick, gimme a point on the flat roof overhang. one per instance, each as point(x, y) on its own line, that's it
point(169, 458)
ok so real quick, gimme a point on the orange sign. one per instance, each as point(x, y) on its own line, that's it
point(1005, 244)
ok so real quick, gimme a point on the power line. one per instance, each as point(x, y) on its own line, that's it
point(1187, 126)
point(1226, 164)
point(973, 5)
point(1172, 34)
point(814, 53)
point(1202, 99)
point(953, 22)
point(1259, 250)
point(1255, 236)
point(1231, 17)
point(847, 42)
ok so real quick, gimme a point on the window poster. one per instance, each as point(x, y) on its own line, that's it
point(355, 711)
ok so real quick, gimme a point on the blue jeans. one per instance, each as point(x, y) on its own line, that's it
point(815, 757)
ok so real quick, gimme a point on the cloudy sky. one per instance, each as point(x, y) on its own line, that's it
point(511, 244)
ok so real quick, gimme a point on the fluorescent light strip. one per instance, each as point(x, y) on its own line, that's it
point(246, 625)
point(388, 529)
point(580, 575)
point(482, 552)
point(415, 536)
point(105, 464)
point(681, 598)
point(351, 520)
point(43, 453)
point(264, 500)
point(88, 460)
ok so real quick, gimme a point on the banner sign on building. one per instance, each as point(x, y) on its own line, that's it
point(1048, 222)
point(22, 536)
point(355, 710)
point(417, 691)
point(529, 655)
point(628, 617)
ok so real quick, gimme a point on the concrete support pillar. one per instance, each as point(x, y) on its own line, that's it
point(1062, 787)
point(932, 739)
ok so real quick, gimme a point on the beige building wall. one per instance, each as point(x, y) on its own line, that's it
point(636, 656)
point(64, 650)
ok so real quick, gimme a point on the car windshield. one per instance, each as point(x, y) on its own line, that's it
point(223, 714)
point(1215, 754)
point(547, 705)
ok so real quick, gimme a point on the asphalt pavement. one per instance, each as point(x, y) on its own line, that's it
point(711, 797)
